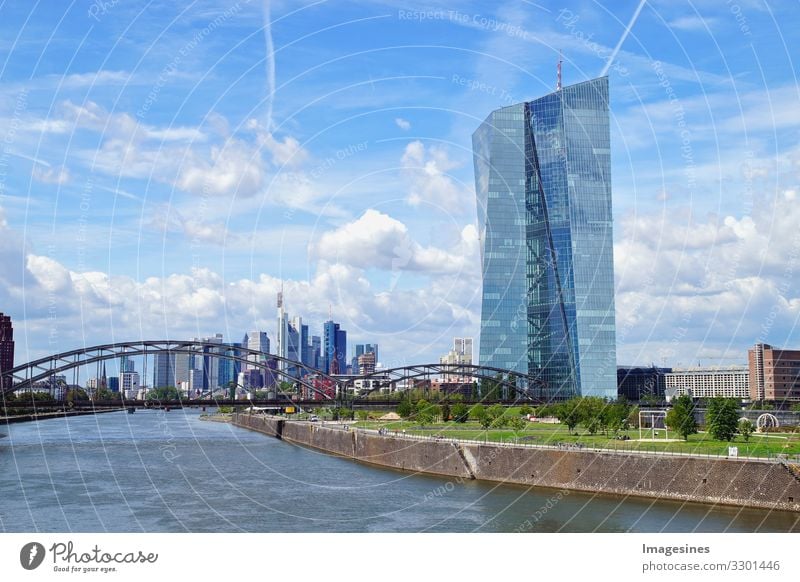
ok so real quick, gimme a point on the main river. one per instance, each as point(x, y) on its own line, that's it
point(157, 471)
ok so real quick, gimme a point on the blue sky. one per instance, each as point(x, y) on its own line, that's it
point(165, 167)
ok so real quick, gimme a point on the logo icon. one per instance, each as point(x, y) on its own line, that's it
point(31, 555)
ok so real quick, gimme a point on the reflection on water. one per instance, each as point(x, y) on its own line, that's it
point(155, 471)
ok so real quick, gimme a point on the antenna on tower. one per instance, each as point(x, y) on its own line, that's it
point(330, 312)
point(558, 80)
point(280, 296)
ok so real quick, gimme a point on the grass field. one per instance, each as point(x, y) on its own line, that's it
point(553, 434)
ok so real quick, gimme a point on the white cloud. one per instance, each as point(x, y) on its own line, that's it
point(715, 285)
point(378, 241)
point(233, 168)
point(403, 124)
point(693, 23)
point(49, 175)
point(430, 181)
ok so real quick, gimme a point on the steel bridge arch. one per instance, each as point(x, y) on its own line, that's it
point(523, 385)
point(27, 374)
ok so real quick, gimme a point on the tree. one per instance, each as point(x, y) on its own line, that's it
point(405, 408)
point(445, 412)
point(722, 418)
point(477, 412)
point(362, 415)
point(569, 413)
point(474, 393)
point(795, 408)
point(164, 393)
point(518, 423)
point(746, 429)
point(615, 416)
point(680, 418)
point(591, 409)
point(460, 412)
point(497, 416)
point(76, 394)
point(525, 410)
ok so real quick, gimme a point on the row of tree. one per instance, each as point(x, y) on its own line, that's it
point(723, 420)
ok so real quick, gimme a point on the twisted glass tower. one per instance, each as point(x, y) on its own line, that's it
point(543, 182)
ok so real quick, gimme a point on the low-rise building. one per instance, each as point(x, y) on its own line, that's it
point(724, 381)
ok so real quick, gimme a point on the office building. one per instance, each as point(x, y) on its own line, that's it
point(774, 374)
point(335, 348)
point(724, 381)
point(637, 382)
point(361, 349)
point(256, 340)
point(460, 354)
point(129, 384)
point(316, 352)
point(542, 177)
point(164, 370)
point(366, 363)
point(6, 350)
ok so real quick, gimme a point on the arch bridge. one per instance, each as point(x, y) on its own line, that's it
point(520, 385)
point(25, 376)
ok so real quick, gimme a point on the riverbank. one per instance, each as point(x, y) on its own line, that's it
point(32, 417)
point(766, 484)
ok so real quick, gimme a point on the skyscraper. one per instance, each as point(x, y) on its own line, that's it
point(335, 348)
point(164, 370)
point(6, 349)
point(543, 181)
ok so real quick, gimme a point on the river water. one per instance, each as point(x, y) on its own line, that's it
point(156, 471)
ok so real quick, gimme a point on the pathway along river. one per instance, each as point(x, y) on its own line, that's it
point(157, 471)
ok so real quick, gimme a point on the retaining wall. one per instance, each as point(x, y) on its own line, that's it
point(764, 484)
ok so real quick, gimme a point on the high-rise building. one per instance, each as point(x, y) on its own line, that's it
point(256, 340)
point(366, 363)
point(316, 352)
point(206, 365)
point(359, 351)
point(542, 176)
point(335, 348)
point(129, 384)
point(164, 370)
point(774, 374)
point(126, 364)
point(6, 350)
point(460, 354)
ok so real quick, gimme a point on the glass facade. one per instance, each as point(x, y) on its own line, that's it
point(543, 182)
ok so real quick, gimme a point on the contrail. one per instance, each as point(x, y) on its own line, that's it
point(623, 37)
point(270, 62)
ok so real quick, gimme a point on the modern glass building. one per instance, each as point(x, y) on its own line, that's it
point(543, 182)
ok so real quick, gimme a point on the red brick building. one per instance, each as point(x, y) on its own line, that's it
point(774, 373)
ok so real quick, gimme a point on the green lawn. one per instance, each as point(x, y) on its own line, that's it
point(552, 434)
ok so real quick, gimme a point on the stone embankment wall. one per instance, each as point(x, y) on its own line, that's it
point(764, 484)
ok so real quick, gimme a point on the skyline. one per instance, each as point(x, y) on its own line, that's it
point(352, 185)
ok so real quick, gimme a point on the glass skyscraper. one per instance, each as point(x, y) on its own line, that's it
point(543, 182)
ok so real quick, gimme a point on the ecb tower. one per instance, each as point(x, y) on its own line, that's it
point(543, 183)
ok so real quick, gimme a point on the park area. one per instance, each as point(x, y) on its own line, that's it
point(557, 434)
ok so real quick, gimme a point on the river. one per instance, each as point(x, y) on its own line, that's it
point(156, 471)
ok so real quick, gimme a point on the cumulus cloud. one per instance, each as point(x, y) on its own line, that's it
point(716, 284)
point(169, 220)
point(378, 241)
point(233, 168)
point(427, 171)
point(403, 124)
